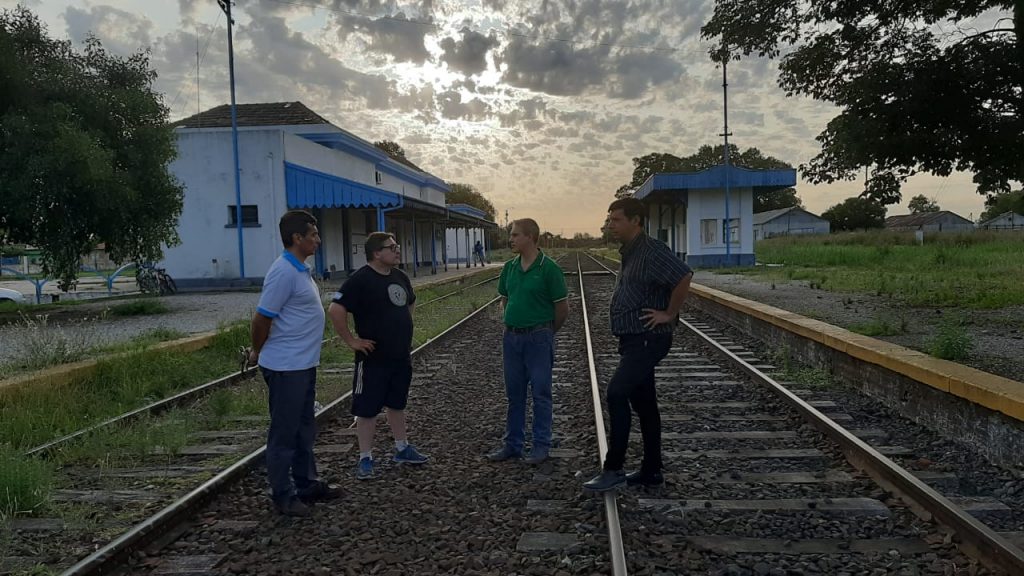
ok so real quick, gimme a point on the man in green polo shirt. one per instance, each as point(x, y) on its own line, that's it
point(536, 306)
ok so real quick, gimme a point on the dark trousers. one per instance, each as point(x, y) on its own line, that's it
point(290, 464)
point(633, 385)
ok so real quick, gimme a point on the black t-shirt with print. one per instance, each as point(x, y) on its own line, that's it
point(380, 305)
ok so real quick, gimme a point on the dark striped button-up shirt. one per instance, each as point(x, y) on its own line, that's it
point(649, 273)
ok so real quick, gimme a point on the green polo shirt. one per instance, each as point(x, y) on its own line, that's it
point(531, 293)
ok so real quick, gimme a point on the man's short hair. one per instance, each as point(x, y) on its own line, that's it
point(295, 222)
point(631, 208)
point(375, 243)
point(529, 227)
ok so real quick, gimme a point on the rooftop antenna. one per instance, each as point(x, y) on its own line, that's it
point(199, 118)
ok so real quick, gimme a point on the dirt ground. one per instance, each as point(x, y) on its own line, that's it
point(998, 335)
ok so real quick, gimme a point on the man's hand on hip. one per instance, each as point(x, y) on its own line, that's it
point(652, 317)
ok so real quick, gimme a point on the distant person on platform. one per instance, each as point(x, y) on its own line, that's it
point(478, 251)
point(381, 299)
point(286, 333)
point(536, 306)
point(651, 287)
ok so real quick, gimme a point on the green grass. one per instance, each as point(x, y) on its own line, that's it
point(882, 326)
point(952, 342)
point(30, 416)
point(140, 307)
point(25, 483)
point(978, 270)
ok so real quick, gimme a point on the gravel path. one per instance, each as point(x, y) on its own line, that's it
point(189, 313)
point(998, 335)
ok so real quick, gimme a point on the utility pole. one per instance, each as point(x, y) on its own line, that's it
point(727, 229)
point(225, 5)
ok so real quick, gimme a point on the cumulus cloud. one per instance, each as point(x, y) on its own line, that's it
point(397, 36)
point(122, 33)
point(469, 54)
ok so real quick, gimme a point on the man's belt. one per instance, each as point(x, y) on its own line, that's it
point(529, 329)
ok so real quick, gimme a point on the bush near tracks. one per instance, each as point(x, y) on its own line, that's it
point(979, 270)
point(24, 484)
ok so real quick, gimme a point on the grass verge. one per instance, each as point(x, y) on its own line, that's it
point(977, 270)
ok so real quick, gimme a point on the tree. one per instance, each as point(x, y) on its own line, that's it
point(857, 213)
point(920, 204)
point(776, 199)
point(999, 204)
point(393, 149)
point(917, 92)
point(84, 151)
point(705, 157)
point(468, 194)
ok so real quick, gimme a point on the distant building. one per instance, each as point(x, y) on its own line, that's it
point(1005, 221)
point(290, 157)
point(941, 221)
point(692, 213)
point(788, 222)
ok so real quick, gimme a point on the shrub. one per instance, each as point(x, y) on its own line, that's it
point(25, 482)
point(952, 342)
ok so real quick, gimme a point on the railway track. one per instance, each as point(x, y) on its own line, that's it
point(761, 481)
point(751, 486)
point(100, 498)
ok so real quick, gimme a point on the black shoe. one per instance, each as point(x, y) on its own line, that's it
point(293, 507)
point(641, 478)
point(605, 481)
point(504, 454)
point(537, 456)
point(320, 492)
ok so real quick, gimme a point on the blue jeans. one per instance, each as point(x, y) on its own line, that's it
point(528, 359)
point(290, 463)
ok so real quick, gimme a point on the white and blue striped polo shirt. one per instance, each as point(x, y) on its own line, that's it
point(292, 300)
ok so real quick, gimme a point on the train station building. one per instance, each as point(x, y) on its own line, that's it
point(704, 224)
point(292, 158)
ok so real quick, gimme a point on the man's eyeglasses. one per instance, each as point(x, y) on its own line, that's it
point(392, 247)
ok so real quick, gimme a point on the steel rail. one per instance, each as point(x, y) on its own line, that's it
point(106, 558)
point(610, 501)
point(982, 542)
point(977, 539)
point(194, 392)
point(152, 408)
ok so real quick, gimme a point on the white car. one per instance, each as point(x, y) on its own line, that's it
point(7, 294)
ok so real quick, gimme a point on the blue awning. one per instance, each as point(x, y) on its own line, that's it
point(714, 178)
point(307, 188)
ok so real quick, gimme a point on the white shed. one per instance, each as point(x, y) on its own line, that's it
point(1005, 221)
point(788, 222)
point(703, 223)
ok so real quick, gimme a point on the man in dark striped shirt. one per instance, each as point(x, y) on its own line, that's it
point(649, 292)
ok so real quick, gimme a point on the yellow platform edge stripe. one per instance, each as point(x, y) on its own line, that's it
point(982, 388)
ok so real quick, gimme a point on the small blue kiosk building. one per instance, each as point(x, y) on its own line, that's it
point(688, 211)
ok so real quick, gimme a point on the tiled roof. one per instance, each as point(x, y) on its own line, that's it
point(920, 219)
point(263, 114)
point(762, 217)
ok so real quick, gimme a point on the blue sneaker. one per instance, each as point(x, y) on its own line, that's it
point(409, 455)
point(364, 469)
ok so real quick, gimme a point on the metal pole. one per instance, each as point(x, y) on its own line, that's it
point(725, 107)
point(415, 250)
point(226, 6)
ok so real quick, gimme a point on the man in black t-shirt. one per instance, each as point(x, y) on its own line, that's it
point(380, 298)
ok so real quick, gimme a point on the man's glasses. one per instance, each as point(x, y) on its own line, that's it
point(392, 247)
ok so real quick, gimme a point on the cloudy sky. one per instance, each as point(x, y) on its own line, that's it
point(541, 104)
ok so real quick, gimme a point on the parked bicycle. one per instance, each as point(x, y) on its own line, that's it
point(153, 280)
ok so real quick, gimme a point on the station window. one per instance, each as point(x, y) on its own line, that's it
point(378, 177)
point(732, 230)
point(250, 215)
point(708, 229)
